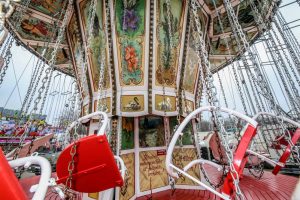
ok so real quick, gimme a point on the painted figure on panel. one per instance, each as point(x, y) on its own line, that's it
point(151, 132)
point(187, 137)
point(130, 31)
point(47, 6)
point(187, 106)
point(37, 28)
point(165, 104)
point(128, 190)
point(133, 105)
point(130, 18)
point(62, 56)
point(131, 63)
point(127, 133)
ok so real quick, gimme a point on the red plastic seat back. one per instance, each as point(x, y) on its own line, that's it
point(239, 159)
point(286, 154)
point(95, 167)
point(9, 184)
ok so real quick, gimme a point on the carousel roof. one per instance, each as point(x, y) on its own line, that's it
point(132, 42)
point(37, 30)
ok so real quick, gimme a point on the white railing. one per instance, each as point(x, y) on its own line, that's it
point(170, 167)
point(104, 121)
point(42, 187)
point(278, 117)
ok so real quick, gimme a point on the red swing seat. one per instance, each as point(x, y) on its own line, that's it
point(240, 159)
point(95, 167)
point(10, 187)
point(286, 154)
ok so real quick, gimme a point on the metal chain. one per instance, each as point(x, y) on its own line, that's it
point(71, 165)
point(279, 24)
point(30, 146)
point(49, 71)
point(35, 87)
point(4, 47)
point(212, 92)
point(287, 58)
point(260, 80)
point(277, 56)
point(278, 61)
point(289, 34)
point(101, 105)
point(8, 54)
point(249, 73)
point(222, 89)
point(33, 80)
point(124, 188)
point(85, 54)
point(168, 3)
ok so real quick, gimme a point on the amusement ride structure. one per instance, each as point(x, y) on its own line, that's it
point(146, 77)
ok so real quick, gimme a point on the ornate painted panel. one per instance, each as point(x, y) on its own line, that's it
point(151, 131)
point(34, 29)
point(127, 133)
point(48, 7)
point(168, 36)
point(181, 157)
point(246, 14)
point(191, 71)
point(128, 190)
point(217, 29)
point(211, 4)
point(98, 47)
point(187, 138)
point(219, 47)
point(187, 106)
point(85, 110)
point(94, 195)
point(62, 56)
point(215, 63)
point(104, 104)
point(153, 172)
point(165, 103)
point(76, 49)
point(132, 103)
point(130, 34)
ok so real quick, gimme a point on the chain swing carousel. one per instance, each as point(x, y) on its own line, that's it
point(148, 69)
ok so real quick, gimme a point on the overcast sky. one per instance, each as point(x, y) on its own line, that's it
point(20, 70)
point(290, 13)
point(11, 97)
